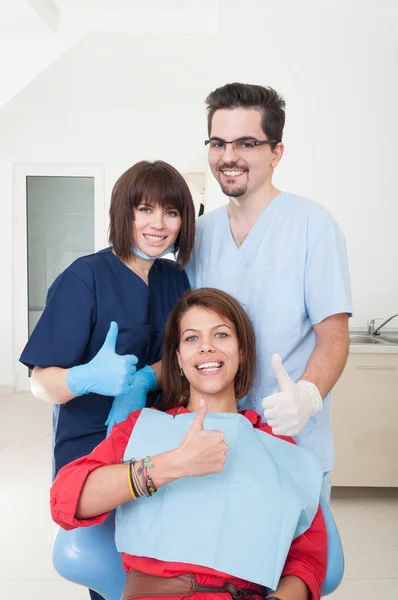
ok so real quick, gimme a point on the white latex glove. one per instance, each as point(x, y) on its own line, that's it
point(290, 409)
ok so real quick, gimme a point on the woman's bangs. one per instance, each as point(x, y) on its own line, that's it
point(163, 192)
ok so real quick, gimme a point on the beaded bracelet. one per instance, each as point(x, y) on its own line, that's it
point(147, 488)
point(140, 489)
point(149, 483)
point(141, 475)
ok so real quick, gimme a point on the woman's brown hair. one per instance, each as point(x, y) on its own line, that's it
point(176, 388)
point(155, 183)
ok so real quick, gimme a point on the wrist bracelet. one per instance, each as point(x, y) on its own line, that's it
point(141, 475)
point(147, 488)
point(150, 485)
point(130, 479)
point(137, 484)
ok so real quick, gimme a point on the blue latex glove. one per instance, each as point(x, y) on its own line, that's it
point(108, 373)
point(144, 382)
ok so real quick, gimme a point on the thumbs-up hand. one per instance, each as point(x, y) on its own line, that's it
point(202, 451)
point(108, 373)
point(135, 399)
point(289, 410)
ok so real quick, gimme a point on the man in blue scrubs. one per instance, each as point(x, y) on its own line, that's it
point(284, 258)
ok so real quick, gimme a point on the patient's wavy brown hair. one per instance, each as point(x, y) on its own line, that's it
point(176, 388)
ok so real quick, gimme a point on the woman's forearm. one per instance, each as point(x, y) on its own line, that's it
point(291, 587)
point(201, 452)
point(50, 385)
point(107, 487)
point(104, 489)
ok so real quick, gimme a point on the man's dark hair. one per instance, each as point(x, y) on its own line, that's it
point(245, 95)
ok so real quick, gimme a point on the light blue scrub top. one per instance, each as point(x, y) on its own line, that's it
point(290, 273)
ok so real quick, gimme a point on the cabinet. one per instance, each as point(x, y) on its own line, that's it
point(365, 422)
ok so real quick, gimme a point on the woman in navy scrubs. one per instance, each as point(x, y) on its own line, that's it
point(79, 360)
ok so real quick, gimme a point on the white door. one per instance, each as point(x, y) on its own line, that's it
point(59, 216)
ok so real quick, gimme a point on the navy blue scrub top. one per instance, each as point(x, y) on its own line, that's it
point(81, 303)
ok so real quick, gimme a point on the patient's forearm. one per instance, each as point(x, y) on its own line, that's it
point(107, 487)
point(291, 588)
point(200, 453)
point(49, 384)
point(104, 489)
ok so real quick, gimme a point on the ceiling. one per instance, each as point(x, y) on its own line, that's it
point(98, 5)
point(36, 34)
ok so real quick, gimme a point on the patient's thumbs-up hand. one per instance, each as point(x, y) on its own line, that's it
point(289, 410)
point(202, 451)
point(197, 424)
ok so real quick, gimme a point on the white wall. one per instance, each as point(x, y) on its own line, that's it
point(336, 65)
point(115, 98)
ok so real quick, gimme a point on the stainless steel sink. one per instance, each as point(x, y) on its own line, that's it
point(364, 338)
point(389, 337)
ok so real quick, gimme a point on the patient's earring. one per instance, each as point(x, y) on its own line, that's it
point(181, 372)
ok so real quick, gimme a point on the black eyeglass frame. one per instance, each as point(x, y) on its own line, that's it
point(255, 142)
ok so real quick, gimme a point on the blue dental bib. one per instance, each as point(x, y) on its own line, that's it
point(210, 520)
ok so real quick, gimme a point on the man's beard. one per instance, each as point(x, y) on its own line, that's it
point(233, 192)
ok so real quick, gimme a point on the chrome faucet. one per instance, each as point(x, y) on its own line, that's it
point(371, 325)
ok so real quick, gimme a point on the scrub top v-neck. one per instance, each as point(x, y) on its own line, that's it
point(218, 262)
point(81, 303)
point(239, 254)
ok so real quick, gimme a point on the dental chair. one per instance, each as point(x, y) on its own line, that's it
point(88, 556)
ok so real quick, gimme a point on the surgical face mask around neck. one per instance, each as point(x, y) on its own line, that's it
point(140, 254)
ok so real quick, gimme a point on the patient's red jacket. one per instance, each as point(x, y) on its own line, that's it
point(307, 556)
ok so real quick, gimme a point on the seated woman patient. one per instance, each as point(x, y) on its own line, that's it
point(209, 502)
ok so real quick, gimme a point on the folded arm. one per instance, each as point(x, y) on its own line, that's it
point(87, 489)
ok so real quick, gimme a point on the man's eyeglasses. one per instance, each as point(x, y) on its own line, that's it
point(241, 145)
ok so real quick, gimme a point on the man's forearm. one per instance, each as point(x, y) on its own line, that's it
point(327, 362)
